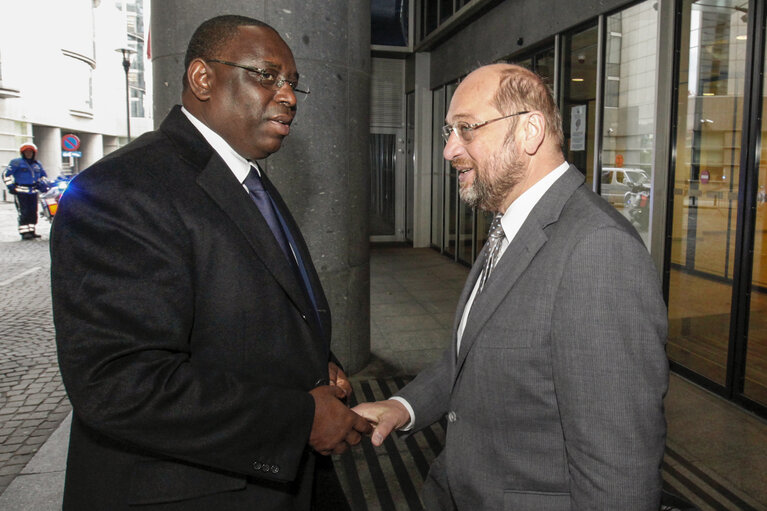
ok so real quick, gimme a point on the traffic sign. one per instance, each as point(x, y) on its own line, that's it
point(704, 176)
point(70, 142)
point(74, 154)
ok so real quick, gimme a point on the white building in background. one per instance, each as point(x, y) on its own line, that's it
point(61, 72)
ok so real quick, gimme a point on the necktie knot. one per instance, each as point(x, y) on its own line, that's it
point(253, 181)
point(496, 229)
point(494, 239)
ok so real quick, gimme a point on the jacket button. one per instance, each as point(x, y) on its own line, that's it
point(265, 467)
point(257, 465)
point(452, 417)
point(275, 469)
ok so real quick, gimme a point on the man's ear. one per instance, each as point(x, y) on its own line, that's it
point(534, 132)
point(200, 78)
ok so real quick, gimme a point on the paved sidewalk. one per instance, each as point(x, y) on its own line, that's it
point(33, 401)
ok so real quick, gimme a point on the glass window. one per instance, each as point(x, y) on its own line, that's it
point(437, 167)
point(445, 10)
point(430, 16)
point(389, 22)
point(755, 386)
point(451, 191)
point(579, 91)
point(382, 182)
point(705, 187)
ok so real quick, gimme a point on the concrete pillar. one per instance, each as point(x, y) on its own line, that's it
point(92, 147)
point(322, 170)
point(48, 142)
point(111, 143)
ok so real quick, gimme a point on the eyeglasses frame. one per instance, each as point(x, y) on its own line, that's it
point(449, 129)
point(280, 83)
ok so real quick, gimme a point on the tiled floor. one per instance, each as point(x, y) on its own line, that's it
point(717, 451)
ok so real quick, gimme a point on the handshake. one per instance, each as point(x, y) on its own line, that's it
point(336, 427)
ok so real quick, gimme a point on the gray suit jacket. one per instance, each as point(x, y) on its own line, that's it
point(555, 401)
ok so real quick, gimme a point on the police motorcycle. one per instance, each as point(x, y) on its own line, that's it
point(50, 194)
point(636, 204)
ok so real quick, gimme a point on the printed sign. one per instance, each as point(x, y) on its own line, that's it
point(70, 142)
point(578, 128)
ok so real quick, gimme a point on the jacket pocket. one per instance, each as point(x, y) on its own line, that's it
point(517, 500)
point(157, 481)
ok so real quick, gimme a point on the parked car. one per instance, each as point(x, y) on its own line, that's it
point(618, 181)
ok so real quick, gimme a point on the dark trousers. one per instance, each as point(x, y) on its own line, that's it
point(26, 204)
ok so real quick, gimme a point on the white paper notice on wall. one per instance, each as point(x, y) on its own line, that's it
point(578, 128)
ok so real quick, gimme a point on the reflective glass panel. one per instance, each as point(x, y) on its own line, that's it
point(629, 112)
point(579, 92)
point(437, 167)
point(755, 386)
point(451, 190)
point(705, 187)
point(382, 190)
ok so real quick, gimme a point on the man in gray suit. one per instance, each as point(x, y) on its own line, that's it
point(553, 385)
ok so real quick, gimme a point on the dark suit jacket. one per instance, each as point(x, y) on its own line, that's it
point(555, 400)
point(186, 342)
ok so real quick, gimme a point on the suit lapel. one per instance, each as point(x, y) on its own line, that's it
point(319, 295)
point(222, 187)
point(515, 260)
point(217, 180)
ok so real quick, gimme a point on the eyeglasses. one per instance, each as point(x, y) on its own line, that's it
point(265, 78)
point(465, 131)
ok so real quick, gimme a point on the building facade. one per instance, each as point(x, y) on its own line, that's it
point(62, 72)
point(661, 100)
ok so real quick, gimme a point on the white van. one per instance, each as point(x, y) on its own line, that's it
point(616, 181)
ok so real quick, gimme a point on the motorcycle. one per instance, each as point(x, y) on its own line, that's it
point(49, 199)
point(636, 204)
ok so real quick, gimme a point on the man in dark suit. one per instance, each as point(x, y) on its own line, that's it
point(192, 329)
point(554, 381)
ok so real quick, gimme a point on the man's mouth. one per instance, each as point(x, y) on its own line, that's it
point(282, 124)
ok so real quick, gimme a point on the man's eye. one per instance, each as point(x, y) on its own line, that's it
point(464, 127)
point(268, 77)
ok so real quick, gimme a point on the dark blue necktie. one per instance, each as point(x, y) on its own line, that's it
point(280, 229)
point(264, 202)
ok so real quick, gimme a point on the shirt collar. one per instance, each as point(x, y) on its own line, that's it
point(519, 210)
point(239, 166)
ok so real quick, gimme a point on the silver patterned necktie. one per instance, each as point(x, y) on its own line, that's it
point(494, 240)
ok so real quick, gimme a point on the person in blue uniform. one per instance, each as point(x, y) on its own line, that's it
point(24, 177)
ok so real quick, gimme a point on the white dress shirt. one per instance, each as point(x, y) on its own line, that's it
point(239, 166)
point(512, 221)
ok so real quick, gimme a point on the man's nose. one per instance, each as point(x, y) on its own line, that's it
point(452, 148)
point(286, 95)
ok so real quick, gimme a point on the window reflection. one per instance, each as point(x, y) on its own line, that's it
point(629, 112)
point(755, 385)
point(705, 188)
point(579, 91)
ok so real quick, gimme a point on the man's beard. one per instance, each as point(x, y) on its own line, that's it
point(493, 182)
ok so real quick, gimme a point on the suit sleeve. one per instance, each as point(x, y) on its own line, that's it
point(610, 370)
point(429, 393)
point(123, 302)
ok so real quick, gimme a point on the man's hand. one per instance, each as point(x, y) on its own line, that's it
point(335, 427)
point(337, 377)
point(386, 416)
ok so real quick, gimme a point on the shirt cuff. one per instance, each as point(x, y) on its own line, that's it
point(404, 402)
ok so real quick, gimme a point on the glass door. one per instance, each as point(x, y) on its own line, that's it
point(409, 165)
point(451, 189)
point(755, 375)
point(579, 92)
point(712, 71)
point(628, 127)
point(437, 168)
